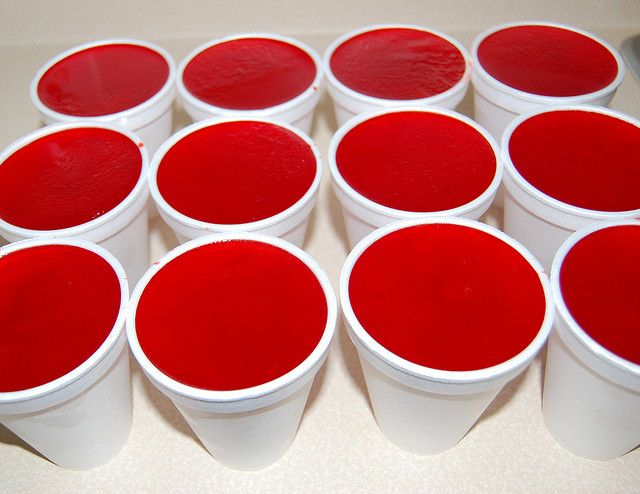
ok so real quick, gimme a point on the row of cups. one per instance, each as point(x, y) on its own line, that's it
point(402, 389)
point(233, 328)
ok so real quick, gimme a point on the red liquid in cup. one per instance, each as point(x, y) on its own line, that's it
point(103, 79)
point(231, 315)
point(249, 73)
point(582, 158)
point(236, 172)
point(599, 279)
point(398, 63)
point(447, 297)
point(549, 61)
point(416, 161)
point(58, 304)
point(68, 178)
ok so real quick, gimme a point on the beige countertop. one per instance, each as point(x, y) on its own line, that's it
point(338, 447)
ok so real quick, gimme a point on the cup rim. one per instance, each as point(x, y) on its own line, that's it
point(168, 209)
point(108, 216)
point(373, 100)
point(541, 99)
point(157, 98)
point(440, 375)
point(512, 172)
point(236, 395)
point(267, 112)
point(388, 211)
point(581, 336)
point(104, 348)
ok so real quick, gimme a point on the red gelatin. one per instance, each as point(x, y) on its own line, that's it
point(599, 284)
point(236, 172)
point(546, 60)
point(231, 315)
point(582, 158)
point(249, 73)
point(58, 304)
point(68, 178)
point(447, 297)
point(103, 79)
point(398, 63)
point(416, 161)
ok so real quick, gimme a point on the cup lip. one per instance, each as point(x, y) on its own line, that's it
point(512, 172)
point(388, 211)
point(373, 100)
point(109, 342)
point(439, 375)
point(157, 98)
point(168, 209)
point(541, 99)
point(267, 112)
point(582, 337)
point(243, 394)
point(82, 228)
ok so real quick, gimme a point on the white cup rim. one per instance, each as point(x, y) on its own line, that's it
point(513, 173)
point(387, 211)
point(253, 392)
point(157, 98)
point(267, 112)
point(373, 100)
point(72, 231)
point(104, 348)
point(167, 208)
point(439, 375)
point(591, 345)
point(540, 99)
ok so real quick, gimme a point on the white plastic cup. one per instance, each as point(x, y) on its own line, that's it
point(363, 215)
point(123, 231)
point(540, 222)
point(348, 102)
point(591, 399)
point(497, 104)
point(82, 419)
point(250, 428)
point(298, 111)
point(424, 410)
point(150, 120)
point(290, 224)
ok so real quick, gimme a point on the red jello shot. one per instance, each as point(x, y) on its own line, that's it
point(233, 329)
point(86, 180)
point(567, 168)
point(64, 371)
point(123, 82)
point(526, 66)
point(252, 75)
point(443, 312)
point(395, 64)
point(591, 401)
point(411, 162)
point(230, 175)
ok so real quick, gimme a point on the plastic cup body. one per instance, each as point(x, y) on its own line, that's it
point(297, 112)
point(82, 419)
point(123, 231)
point(363, 215)
point(591, 398)
point(497, 104)
point(424, 410)
point(251, 428)
point(151, 120)
point(290, 224)
point(348, 102)
point(540, 222)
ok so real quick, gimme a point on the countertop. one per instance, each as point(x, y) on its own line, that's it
point(338, 448)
